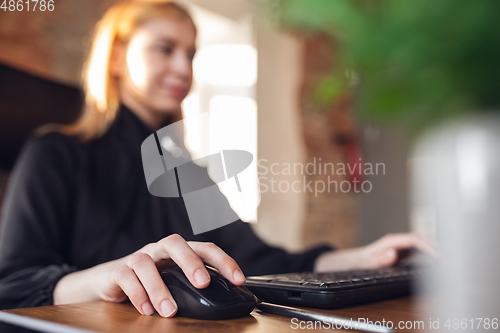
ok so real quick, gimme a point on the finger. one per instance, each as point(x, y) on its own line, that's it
point(388, 257)
point(145, 270)
point(215, 256)
point(160, 258)
point(176, 248)
point(129, 283)
point(408, 240)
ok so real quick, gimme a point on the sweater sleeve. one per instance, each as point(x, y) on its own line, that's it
point(256, 257)
point(35, 216)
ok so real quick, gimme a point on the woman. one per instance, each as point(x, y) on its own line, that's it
point(78, 222)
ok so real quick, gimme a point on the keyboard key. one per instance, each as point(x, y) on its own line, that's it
point(356, 281)
point(343, 283)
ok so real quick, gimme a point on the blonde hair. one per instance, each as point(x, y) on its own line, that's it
point(101, 92)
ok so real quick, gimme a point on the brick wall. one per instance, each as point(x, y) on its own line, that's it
point(330, 216)
point(50, 44)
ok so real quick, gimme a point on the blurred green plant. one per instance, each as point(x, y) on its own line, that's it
point(418, 61)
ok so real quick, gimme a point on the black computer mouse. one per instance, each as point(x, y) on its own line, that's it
point(219, 300)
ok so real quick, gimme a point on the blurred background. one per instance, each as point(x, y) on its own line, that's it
point(245, 61)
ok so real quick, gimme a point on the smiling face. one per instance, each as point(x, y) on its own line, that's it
point(154, 69)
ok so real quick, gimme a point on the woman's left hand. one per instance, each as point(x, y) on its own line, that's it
point(383, 252)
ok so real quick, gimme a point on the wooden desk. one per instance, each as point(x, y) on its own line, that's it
point(123, 318)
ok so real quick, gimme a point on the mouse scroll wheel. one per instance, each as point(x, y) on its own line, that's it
point(223, 282)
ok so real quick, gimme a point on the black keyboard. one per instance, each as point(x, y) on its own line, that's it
point(335, 289)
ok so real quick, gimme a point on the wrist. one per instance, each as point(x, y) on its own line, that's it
point(341, 260)
point(76, 287)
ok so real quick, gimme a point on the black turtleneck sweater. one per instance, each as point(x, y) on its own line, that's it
point(72, 205)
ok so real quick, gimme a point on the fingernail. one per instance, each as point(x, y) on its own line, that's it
point(238, 276)
point(201, 277)
point(147, 309)
point(167, 308)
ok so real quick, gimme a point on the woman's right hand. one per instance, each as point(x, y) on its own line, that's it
point(137, 278)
